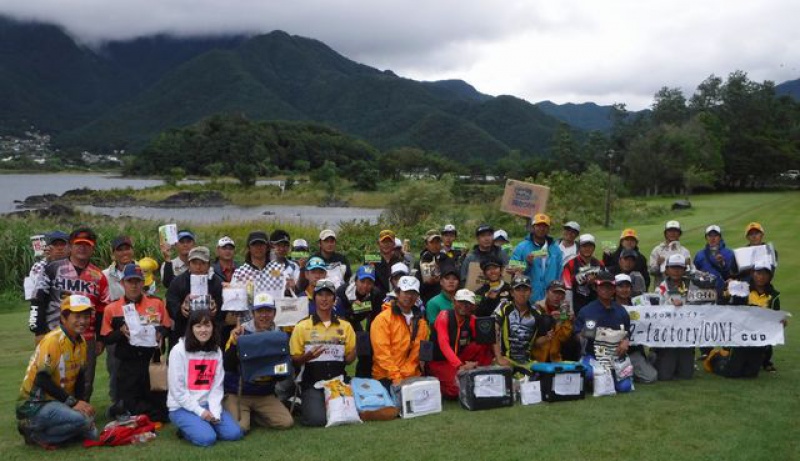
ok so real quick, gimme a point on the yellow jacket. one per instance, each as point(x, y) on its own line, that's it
point(395, 356)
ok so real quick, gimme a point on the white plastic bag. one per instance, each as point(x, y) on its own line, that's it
point(603, 381)
point(340, 405)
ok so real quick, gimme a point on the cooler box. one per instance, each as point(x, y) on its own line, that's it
point(486, 387)
point(561, 381)
point(418, 397)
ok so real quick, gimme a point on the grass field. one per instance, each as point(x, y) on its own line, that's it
point(708, 418)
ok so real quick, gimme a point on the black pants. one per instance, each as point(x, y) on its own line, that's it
point(742, 362)
point(674, 363)
point(133, 389)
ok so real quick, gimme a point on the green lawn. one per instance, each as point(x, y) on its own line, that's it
point(706, 418)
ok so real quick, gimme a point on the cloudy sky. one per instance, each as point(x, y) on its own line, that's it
point(604, 51)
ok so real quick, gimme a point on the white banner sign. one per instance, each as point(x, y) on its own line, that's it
point(706, 325)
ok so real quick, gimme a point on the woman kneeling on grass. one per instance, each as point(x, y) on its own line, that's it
point(196, 385)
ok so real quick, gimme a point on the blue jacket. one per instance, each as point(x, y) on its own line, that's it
point(706, 262)
point(542, 271)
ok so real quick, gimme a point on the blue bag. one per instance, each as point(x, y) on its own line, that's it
point(370, 394)
point(264, 354)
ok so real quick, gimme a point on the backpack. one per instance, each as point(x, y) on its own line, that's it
point(264, 354)
point(373, 401)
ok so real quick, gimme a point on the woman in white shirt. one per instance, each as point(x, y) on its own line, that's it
point(196, 385)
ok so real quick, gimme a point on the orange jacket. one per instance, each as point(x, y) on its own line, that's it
point(394, 356)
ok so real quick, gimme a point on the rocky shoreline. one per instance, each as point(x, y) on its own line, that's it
point(86, 196)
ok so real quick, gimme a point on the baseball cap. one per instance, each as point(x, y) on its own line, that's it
point(279, 236)
point(557, 285)
point(672, 225)
point(121, 240)
point(132, 271)
point(83, 235)
point(492, 260)
point(432, 234)
point(398, 243)
point(324, 284)
point(263, 301)
point(762, 265)
point(604, 277)
point(629, 233)
point(56, 236)
point(316, 263)
point(300, 244)
point(676, 260)
point(521, 280)
point(501, 234)
point(586, 238)
point(76, 303)
point(713, 228)
point(753, 226)
point(447, 267)
point(540, 218)
point(627, 253)
point(183, 234)
point(326, 234)
point(399, 268)
point(408, 283)
point(386, 234)
point(366, 272)
point(257, 236)
point(200, 253)
point(449, 228)
point(225, 241)
point(622, 278)
point(483, 228)
point(573, 225)
point(465, 295)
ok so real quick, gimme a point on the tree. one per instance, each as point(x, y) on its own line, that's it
point(669, 107)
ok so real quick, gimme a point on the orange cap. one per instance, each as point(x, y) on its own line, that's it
point(629, 233)
point(754, 225)
point(541, 218)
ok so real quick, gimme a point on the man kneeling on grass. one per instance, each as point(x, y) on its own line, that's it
point(256, 399)
point(454, 346)
point(51, 410)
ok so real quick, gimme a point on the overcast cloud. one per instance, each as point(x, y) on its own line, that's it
point(566, 51)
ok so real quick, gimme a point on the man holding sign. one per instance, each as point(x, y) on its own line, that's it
point(323, 345)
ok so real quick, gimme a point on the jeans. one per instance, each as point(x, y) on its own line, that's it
point(56, 423)
point(203, 433)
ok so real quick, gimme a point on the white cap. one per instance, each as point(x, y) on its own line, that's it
point(573, 225)
point(399, 268)
point(449, 228)
point(676, 260)
point(408, 283)
point(225, 241)
point(327, 233)
point(586, 238)
point(619, 278)
point(301, 243)
point(713, 228)
point(261, 300)
point(500, 233)
point(465, 295)
point(762, 264)
point(398, 243)
point(672, 225)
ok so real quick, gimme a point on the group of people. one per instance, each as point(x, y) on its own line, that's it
point(544, 300)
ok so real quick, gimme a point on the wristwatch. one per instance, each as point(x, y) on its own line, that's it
point(71, 401)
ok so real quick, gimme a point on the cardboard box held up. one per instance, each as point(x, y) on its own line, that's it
point(524, 198)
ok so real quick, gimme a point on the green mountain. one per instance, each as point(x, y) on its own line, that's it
point(125, 93)
point(789, 88)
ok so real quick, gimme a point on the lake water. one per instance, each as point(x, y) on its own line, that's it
point(20, 186)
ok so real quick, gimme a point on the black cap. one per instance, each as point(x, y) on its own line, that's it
point(483, 228)
point(279, 236)
point(521, 281)
point(492, 260)
point(257, 236)
point(604, 277)
point(121, 240)
point(447, 267)
point(56, 236)
point(628, 253)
